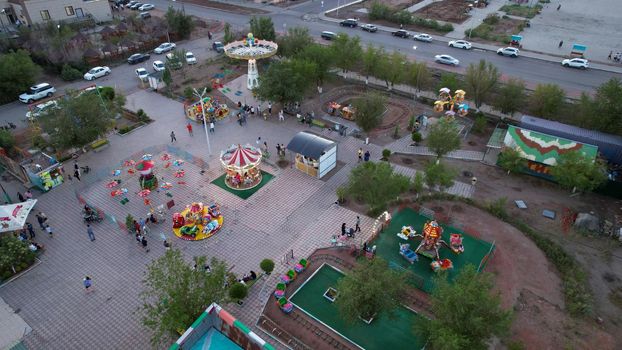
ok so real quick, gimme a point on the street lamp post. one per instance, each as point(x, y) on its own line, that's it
point(1, 21)
point(200, 96)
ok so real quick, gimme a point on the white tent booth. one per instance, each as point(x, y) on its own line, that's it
point(13, 216)
point(314, 155)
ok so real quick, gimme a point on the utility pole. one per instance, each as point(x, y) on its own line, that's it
point(200, 96)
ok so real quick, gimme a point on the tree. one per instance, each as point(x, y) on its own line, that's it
point(370, 109)
point(418, 183)
point(286, 81)
point(376, 184)
point(547, 100)
point(370, 290)
point(480, 79)
point(17, 74)
point(437, 174)
point(14, 256)
point(175, 294)
point(511, 160)
point(577, 172)
point(322, 57)
point(511, 96)
point(371, 57)
point(418, 75)
point(167, 78)
point(466, 313)
point(443, 137)
point(267, 265)
point(238, 291)
point(228, 36)
point(347, 51)
point(603, 111)
point(78, 120)
point(7, 141)
point(296, 40)
point(392, 69)
point(179, 22)
point(450, 81)
point(262, 28)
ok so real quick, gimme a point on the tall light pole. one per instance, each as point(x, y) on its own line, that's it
point(200, 96)
point(1, 21)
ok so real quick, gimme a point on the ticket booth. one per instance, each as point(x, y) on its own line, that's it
point(313, 154)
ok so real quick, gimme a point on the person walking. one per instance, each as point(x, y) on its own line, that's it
point(89, 231)
point(473, 181)
point(610, 53)
point(28, 195)
point(48, 229)
point(87, 282)
point(559, 6)
point(189, 127)
point(209, 35)
point(40, 220)
point(360, 154)
point(76, 174)
point(20, 196)
point(252, 111)
point(143, 242)
point(367, 155)
point(343, 229)
point(212, 128)
point(173, 138)
point(281, 116)
point(167, 245)
point(31, 230)
point(561, 43)
point(357, 227)
point(270, 108)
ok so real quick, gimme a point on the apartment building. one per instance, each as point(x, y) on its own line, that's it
point(40, 11)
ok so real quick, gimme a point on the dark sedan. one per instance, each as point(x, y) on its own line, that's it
point(137, 58)
point(401, 33)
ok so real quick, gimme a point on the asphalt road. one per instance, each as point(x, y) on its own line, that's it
point(533, 71)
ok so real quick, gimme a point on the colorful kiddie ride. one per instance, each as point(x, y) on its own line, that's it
point(213, 110)
point(430, 245)
point(147, 179)
point(241, 164)
point(347, 112)
point(197, 221)
point(452, 105)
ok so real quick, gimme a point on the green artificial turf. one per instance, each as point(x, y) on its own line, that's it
point(244, 194)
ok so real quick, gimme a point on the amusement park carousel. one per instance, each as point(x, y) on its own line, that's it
point(251, 49)
point(241, 164)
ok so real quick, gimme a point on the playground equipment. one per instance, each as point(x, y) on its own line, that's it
point(430, 245)
point(285, 305)
point(213, 109)
point(347, 112)
point(241, 164)
point(407, 232)
point(455, 243)
point(452, 105)
point(197, 221)
point(251, 49)
point(301, 265)
point(147, 179)
point(407, 253)
point(289, 276)
point(279, 292)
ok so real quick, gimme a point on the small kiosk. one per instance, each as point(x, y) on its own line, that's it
point(43, 171)
point(314, 155)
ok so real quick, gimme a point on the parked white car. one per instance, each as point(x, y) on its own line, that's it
point(165, 47)
point(37, 92)
point(190, 59)
point(446, 59)
point(460, 44)
point(40, 109)
point(142, 74)
point(146, 7)
point(423, 37)
point(97, 72)
point(158, 66)
point(508, 51)
point(580, 63)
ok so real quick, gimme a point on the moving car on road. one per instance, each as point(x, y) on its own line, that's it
point(369, 28)
point(446, 59)
point(460, 44)
point(97, 72)
point(328, 35)
point(158, 66)
point(423, 37)
point(508, 51)
point(190, 59)
point(138, 57)
point(142, 73)
point(401, 33)
point(37, 92)
point(146, 7)
point(350, 22)
point(164, 47)
point(580, 63)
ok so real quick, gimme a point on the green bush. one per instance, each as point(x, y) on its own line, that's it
point(68, 73)
point(378, 10)
point(15, 256)
point(238, 291)
point(492, 19)
point(129, 223)
point(341, 192)
point(99, 143)
point(479, 125)
point(402, 17)
point(497, 208)
point(142, 116)
point(396, 132)
point(521, 11)
point(267, 265)
point(386, 153)
point(107, 93)
point(7, 141)
point(416, 136)
point(188, 93)
point(411, 123)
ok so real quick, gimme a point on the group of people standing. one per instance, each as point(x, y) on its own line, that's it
point(363, 156)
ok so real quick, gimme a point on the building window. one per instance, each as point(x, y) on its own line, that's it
point(45, 14)
point(69, 11)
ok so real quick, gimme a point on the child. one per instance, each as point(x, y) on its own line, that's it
point(48, 229)
point(88, 282)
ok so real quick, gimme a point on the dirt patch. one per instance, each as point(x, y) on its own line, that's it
point(499, 33)
point(228, 7)
point(454, 11)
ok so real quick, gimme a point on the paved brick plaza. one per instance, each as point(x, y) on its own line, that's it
point(293, 212)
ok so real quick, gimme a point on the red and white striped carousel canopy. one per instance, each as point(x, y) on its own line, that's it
point(241, 156)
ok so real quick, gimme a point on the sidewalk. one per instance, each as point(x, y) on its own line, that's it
point(486, 47)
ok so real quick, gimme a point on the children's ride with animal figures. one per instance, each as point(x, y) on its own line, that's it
point(241, 164)
point(147, 179)
point(452, 105)
point(197, 221)
point(213, 110)
point(430, 244)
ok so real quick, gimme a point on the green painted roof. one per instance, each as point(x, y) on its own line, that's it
point(544, 148)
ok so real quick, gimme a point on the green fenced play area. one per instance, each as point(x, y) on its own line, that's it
point(244, 194)
point(476, 251)
point(383, 332)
